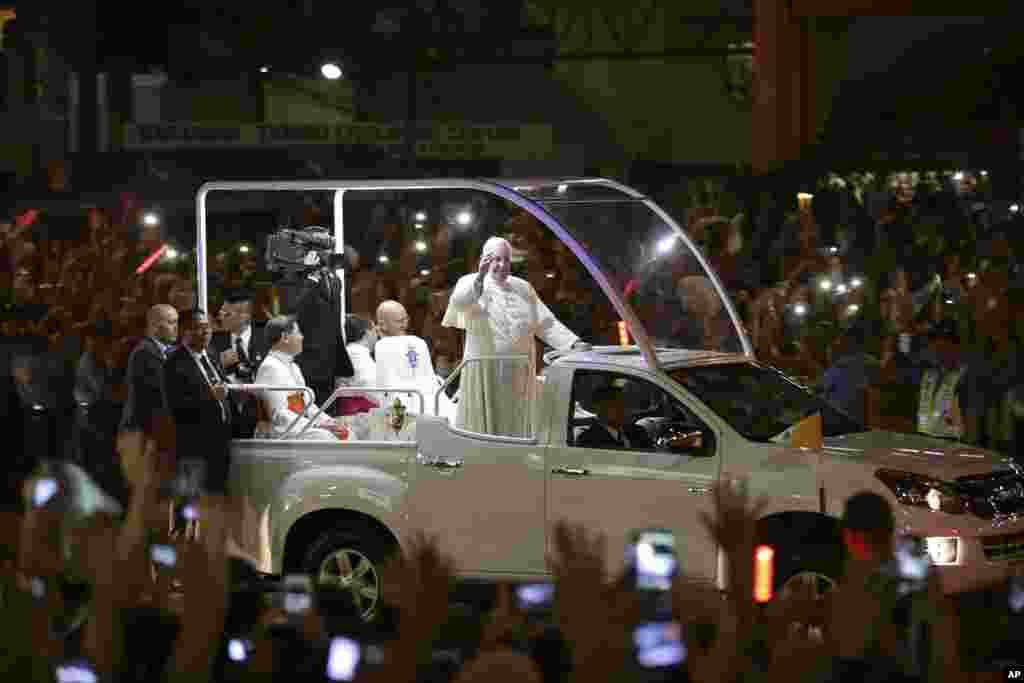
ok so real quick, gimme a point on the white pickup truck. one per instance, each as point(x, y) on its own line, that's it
point(708, 410)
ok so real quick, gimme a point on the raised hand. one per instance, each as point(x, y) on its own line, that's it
point(596, 615)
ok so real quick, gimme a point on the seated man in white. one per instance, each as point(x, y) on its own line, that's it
point(361, 335)
point(404, 361)
point(284, 338)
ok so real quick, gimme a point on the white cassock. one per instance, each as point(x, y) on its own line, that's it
point(281, 370)
point(404, 361)
point(499, 397)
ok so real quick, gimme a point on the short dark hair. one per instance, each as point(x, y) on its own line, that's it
point(869, 513)
point(277, 327)
point(238, 296)
point(186, 319)
point(356, 327)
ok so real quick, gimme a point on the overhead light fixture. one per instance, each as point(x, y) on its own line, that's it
point(331, 71)
point(665, 244)
point(424, 272)
point(419, 226)
point(264, 69)
point(958, 176)
point(383, 258)
point(150, 219)
point(464, 217)
point(420, 216)
point(856, 282)
point(800, 309)
point(562, 189)
point(244, 248)
point(825, 285)
point(852, 308)
point(171, 253)
point(1014, 208)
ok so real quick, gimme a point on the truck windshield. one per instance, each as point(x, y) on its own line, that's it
point(647, 262)
point(758, 402)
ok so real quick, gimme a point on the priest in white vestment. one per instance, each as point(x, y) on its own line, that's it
point(501, 315)
point(279, 368)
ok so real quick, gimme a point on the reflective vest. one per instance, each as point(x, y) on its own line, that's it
point(938, 411)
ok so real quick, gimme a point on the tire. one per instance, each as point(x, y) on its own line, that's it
point(811, 570)
point(350, 558)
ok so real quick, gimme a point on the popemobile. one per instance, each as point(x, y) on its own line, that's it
point(684, 375)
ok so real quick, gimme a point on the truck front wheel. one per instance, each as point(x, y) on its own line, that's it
point(350, 558)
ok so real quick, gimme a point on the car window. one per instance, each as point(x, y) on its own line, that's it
point(647, 409)
point(758, 402)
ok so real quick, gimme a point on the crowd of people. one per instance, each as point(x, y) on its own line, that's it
point(898, 339)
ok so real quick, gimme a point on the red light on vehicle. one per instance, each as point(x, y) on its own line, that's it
point(150, 260)
point(764, 569)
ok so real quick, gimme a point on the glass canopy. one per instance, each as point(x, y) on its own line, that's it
point(647, 267)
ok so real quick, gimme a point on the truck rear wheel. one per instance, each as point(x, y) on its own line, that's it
point(811, 573)
point(351, 558)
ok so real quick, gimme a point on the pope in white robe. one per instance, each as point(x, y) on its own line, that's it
point(501, 315)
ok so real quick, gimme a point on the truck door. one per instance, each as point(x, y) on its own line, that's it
point(613, 478)
point(483, 495)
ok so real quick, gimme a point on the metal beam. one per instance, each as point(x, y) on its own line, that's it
point(901, 8)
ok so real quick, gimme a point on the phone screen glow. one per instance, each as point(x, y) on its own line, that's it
point(655, 561)
point(45, 489)
point(535, 594)
point(342, 659)
point(659, 644)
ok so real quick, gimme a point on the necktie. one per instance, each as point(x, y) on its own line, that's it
point(213, 378)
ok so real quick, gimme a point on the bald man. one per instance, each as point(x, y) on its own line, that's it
point(392, 319)
point(145, 368)
point(501, 314)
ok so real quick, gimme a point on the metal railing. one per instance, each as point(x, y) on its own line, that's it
point(256, 388)
point(457, 370)
point(341, 391)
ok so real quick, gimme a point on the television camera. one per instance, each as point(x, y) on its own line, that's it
point(293, 252)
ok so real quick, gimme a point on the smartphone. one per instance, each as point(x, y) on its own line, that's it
point(535, 597)
point(298, 594)
point(238, 649)
point(651, 556)
point(912, 560)
point(44, 490)
point(1016, 595)
point(165, 555)
point(659, 644)
point(37, 585)
point(76, 671)
point(190, 511)
point(343, 659)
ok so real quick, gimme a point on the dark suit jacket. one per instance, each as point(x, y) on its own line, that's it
point(145, 385)
point(598, 436)
point(257, 347)
point(323, 356)
point(245, 417)
point(202, 432)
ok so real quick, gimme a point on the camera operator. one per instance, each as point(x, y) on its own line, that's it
point(312, 290)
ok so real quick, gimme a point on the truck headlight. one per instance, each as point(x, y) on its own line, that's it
point(922, 491)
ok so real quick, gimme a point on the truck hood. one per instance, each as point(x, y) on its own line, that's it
point(946, 460)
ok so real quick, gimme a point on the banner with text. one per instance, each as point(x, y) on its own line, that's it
point(438, 141)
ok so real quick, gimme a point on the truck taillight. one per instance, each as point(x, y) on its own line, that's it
point(764, 569)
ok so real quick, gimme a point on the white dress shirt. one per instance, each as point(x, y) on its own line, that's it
point(280, 369)
point(198, 358)
point(246, 335)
